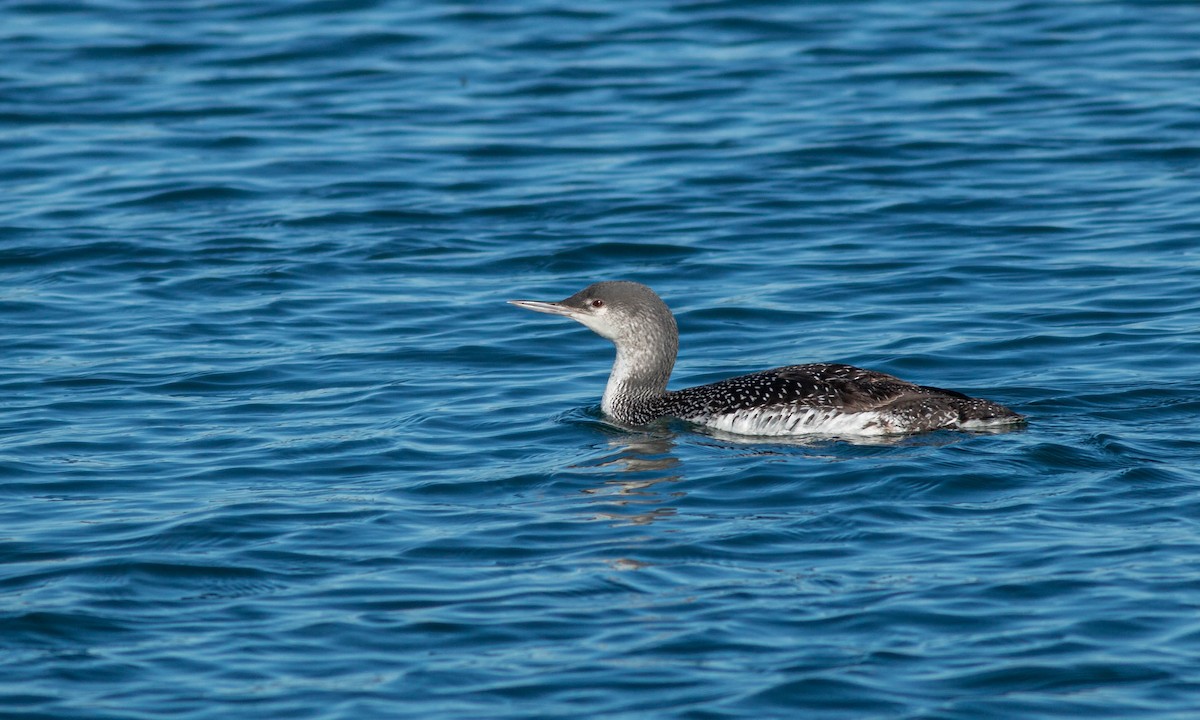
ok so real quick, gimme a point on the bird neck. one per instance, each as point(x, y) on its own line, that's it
point(639, 377)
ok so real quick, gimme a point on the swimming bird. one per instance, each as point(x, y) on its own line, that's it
point(818, 398)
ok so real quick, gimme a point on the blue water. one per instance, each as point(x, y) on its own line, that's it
point(274, 446)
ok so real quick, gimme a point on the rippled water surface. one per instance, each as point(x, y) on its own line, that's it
point(274, 446)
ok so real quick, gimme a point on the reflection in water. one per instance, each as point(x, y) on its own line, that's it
point(640, 466)
point(644, 465)
point(638, 518)
point(644, 462)
point(627, 564)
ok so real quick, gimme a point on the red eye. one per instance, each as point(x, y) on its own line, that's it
point(597, 303)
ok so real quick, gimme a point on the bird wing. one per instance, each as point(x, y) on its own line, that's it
point(818, 385)
point(854, 389)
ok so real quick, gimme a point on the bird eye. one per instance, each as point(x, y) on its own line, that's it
point(597, 304)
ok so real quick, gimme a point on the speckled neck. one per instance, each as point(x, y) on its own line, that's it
point(646, 353)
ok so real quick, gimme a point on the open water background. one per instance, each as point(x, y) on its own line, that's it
point(273, 445)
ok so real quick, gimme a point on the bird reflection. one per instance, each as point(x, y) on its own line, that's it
point(633, 497)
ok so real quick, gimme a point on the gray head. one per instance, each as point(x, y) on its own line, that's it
point(636, 320)
point(618, 310)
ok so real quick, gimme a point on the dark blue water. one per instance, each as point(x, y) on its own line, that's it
point(274, 446)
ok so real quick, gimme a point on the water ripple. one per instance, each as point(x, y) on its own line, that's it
point(271, 435)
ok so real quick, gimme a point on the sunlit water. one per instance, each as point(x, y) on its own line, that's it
point(274, 445)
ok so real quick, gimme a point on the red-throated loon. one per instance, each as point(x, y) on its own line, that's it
point(820, 398)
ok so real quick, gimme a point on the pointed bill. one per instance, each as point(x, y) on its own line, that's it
point(551, 308)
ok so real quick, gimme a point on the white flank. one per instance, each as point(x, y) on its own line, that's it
point(796, 421)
